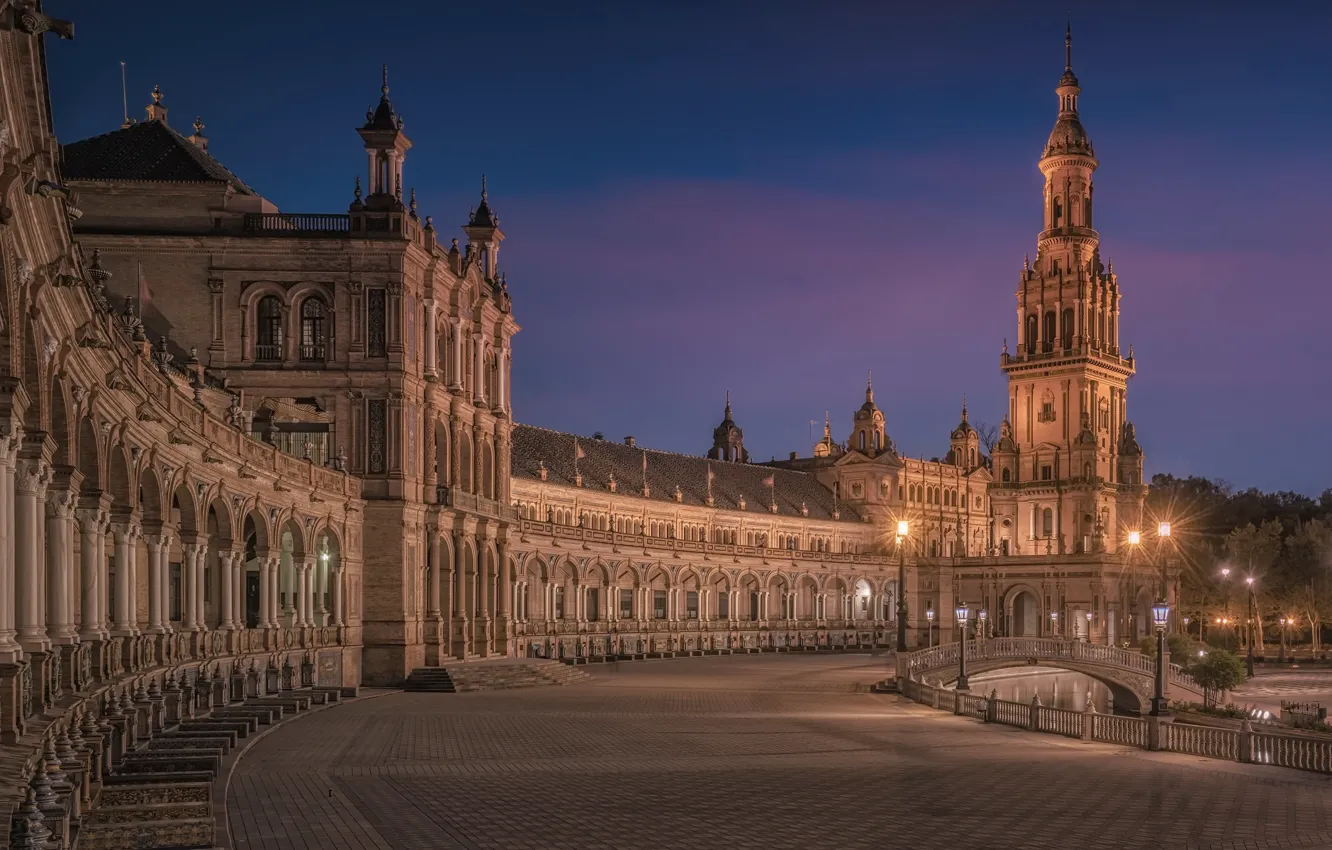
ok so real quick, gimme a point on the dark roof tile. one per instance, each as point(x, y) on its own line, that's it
point(147, 151)
point(532, 446)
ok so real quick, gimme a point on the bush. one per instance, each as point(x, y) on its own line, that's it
point(1217, 671)
point(1183, 649)
point(1229, 711)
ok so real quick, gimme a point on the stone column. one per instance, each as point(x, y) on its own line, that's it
point(123, 616)
point(238, 572)
point(274, 570)
point(456, 361)
point(460, 612)
point(10, 651)
point(433, 598)
point(189, 553)
point(321, 590)
point(336, 576)
point(226, 587)
point(303, 581)
point(265, 592)
point(30, 481)
point(90, 529)
point(505, 590)
point(156, 544)
point(200, 587)
point(431, 358)
point(501, 400)
point(60, 567)
point(478, 368)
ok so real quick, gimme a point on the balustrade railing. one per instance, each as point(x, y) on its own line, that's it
point(1301, 752)
point(1206, 741)
point(1047, 649)
point(276, 224)
point(1059, 721)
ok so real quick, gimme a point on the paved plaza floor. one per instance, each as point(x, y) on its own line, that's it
point(742, 752)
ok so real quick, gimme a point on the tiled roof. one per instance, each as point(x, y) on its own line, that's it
point(533, 446)
point(149, 150)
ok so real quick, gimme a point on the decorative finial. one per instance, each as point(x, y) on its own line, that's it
point(397, 190)
point(430, 223)
point(1026, 262)
point(384, 87)
point(357, 191)
point(483, 188)
point(869, 385)
point(157, 94)
point(964, 407)
point(453, 248)
point(198, 125)
point(1068, 47)
point(412, 205)
point(728, 404)
point(1005, 345)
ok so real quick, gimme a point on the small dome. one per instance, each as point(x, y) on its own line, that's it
point(1069, 137)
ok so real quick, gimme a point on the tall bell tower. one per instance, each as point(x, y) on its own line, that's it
point(1062, 483)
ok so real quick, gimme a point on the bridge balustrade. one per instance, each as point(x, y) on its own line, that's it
point(1044, 649)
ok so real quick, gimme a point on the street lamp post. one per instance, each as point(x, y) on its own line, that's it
point(902, 529)
point(1089, 626)
point(1130, 610)
point(961, 613)
point(1248, 659)
point(1161, 618)
point(1163, 537)
point(1284, 621)
point(929, 626)
point(1054, 624)
point(980, 626)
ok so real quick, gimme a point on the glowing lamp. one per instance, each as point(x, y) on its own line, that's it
point(902, 527)
point(1161, 614)
point(1163, 530)
point(1135, 537)
point(961, 612)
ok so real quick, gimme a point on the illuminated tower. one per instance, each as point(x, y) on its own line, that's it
point(1061, 483)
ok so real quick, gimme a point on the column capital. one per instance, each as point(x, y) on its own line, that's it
point(126, 531)
point(31, 475)
point(61, 504)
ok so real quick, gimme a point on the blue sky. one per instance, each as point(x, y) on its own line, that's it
point(774, 198)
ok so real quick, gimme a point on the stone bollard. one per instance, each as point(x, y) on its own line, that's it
point(992, 707)
point(1033, 723)
point(1246, 741)
point(1088, 721)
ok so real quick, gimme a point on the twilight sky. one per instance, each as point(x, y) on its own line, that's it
point(774, 198)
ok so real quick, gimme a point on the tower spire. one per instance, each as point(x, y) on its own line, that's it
point(728, 404)
point(869, 386)
point(1068, 47)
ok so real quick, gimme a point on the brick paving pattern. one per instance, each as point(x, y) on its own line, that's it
point(742, 752)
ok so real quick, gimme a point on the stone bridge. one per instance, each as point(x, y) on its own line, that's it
point(1128, 674)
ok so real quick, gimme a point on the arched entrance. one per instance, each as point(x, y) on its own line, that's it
point(1026, 617)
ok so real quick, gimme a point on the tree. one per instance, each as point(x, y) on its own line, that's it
point(989, 436)
point(1217, 672)
point(1254, 552)
point(1306, 573)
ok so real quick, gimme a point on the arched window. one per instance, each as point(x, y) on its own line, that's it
point(1047, 523)
point(1032, 332)
point(876, 441)
point(313, 313)
point(268, 328)
point(862, 441)
point(1048, 338)
point(1056, 213)
point(1067, 336)
point(1005, 476)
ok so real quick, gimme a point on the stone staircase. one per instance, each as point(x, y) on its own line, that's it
point(159, 793)
point(430, 680)
point(500, 674)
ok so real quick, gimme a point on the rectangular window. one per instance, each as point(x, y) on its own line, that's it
point(626, 604)
point(753, 606)
point(691, 605)
point(1046, 473)
point(659, 604)
point(723, 605)
point(376, 306)
point(593, 602)
point(559, 603)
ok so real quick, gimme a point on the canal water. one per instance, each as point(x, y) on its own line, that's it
point(1056, 688)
